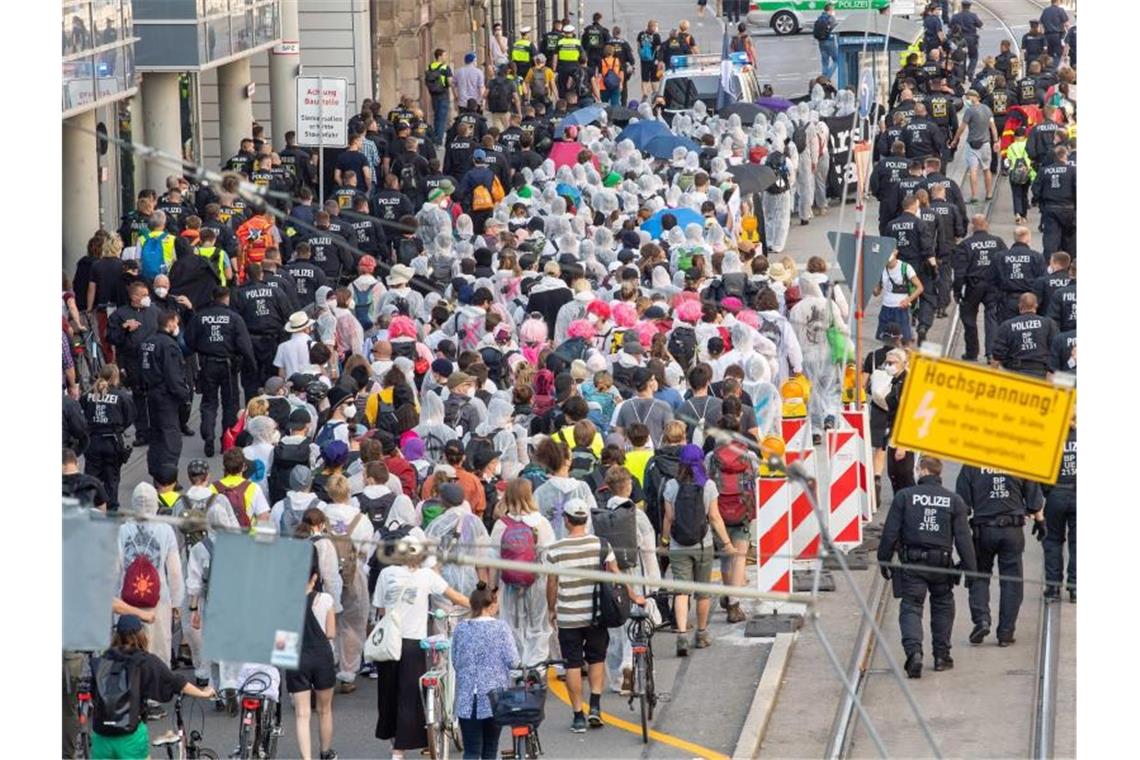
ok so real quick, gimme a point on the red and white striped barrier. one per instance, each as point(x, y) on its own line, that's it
point(774, 531)
point(844, 514)
point(858, 421)
point(798, 448)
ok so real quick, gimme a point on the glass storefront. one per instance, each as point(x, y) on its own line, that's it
point(98, 59)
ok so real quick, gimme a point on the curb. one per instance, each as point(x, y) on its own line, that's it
point(756, 722)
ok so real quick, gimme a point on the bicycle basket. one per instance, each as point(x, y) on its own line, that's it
point(518, 705)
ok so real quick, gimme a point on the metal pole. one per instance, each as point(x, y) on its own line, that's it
point(321, 138)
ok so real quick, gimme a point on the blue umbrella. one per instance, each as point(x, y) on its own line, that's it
point(642, 132)
point(662, 146)
point(684, 216)
point(583, 116)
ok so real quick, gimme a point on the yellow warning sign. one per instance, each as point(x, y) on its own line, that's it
point(984, 417)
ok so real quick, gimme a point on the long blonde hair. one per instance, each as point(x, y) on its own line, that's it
point(108, 379)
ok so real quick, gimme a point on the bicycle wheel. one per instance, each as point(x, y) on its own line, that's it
point(639, 685)
point(245, 735)
point(82, 745)
point(650, 683)
point(207, 754)
point(438, 746)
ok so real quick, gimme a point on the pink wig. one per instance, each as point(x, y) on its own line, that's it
point(645, 332)
point(533, 331)
point(689, 311)
point(599, 309)
point(402, 327)
point(581, 328)
point(732, 304)
point(750, 318)
point(624, 314)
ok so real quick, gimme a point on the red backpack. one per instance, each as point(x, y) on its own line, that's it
point(735, 483)
point(519, 543)
point(235, 495)
point(141, 583)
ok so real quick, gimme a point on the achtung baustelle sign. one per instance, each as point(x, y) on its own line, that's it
point(322, 104)
point(984, 417)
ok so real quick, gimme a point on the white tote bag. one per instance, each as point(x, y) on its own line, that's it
point(386, 641)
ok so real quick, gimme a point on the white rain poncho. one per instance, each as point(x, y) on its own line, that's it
point(432, 221)
point(260, 453)
point(501, 430)
point(159, 543)
point(845, 104)
point(523, 608)
point(464, 228)
point(431, 429)
point(766, 404)
point(823, 162)
point(619, 654)
point(789, 356)
point(805, 167)
point(810, 318)
point(778, 206)
point(551, 498)
point(468, 530)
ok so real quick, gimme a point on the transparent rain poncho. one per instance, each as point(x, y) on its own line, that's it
point(845, 104)
point(432, 221)
point(431, 429)
point(464, 227)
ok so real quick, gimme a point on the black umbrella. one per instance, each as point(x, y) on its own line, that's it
point(620, 115)
point(746, 111)
point(752, 178)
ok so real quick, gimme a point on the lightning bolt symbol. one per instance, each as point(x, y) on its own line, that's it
point(925, 413)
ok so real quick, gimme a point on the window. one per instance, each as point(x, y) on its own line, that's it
point(76, 28)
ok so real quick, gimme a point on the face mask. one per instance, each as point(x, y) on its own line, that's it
point(175, 331)
point(145, 302)
point(349, 411)
point(160, 292)
point(891, 369)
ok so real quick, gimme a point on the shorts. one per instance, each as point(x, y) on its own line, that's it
point(590, 640)
point(649, 71)
point(311, 676)
point(738, 532)
point(979, 157)
point(692, 564)
point(129, 747)
point(894, 315)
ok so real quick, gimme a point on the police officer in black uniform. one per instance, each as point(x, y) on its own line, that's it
point(923, 136)
point(885, 181)
point(307, 276)
point(328, 251)
point(168, 387)
point(916, 239)
point(1055, 192)
point(1041, 144)
point(460, 151)
point(1063, 305)
point(368, 235)
point(1061, 522)
point(128, 328)
point(595, 37)
point(265, 311)
point(108, 410)
point(999, 503)
point(973, 285)
point(1015, 272)
point(969, 24)
point(218, 335)
point(951, 226)
point(1056, 277)
point(390, 203)
point(1022, 344)
point(925, 524)
point(276, 276)
point(1054, 20)
point(942, 107)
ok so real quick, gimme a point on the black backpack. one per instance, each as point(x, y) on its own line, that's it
point(409, 182)
point(778, 163)
point(821, 29)
point(690, 520)
point(433, 78)
point(682, 345)
point(619, 528)
point(799, 137)
point(380, 559)
point(376, 509)
point(286, 456)
point(564, 355)
point(117, 694)
point(611, 600)
point(493, 360)
point(499, 95)
point(407, 248)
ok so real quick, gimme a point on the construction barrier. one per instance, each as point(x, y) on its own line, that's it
point(797, 436)
point(858, 421)
point(845, 522)
point(774, 531)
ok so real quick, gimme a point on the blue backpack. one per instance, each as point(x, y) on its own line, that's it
point(645, 49)
point(152, 257)
point(362, 306)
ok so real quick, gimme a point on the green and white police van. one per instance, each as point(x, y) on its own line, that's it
point(793, 16)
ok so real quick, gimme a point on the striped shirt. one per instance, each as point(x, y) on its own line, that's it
point(576, 595)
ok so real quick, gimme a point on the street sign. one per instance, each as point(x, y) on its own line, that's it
point(322, 111)
point(984, 417)
point(866, 79)
point(876, 251)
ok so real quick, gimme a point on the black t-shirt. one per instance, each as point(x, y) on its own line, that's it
point(156, 681)
point(110, 286)
point(352, 160)
point(88, 490)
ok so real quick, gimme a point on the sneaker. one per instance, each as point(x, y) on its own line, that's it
point(345, 687)
point(329, 755)
point(682, 645)
point(703, 638)
point(816, 439)
point(735, 614)
point(1005, 641)
point(829, 422)
point(595, 718)
point(724, 603)
point(978, 635)
point(626, 681)
point(578, 726)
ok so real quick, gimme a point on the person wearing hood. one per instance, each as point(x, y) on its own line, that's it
point(500, 428)
point(776, 201)
point(287, 513)
point(219, 516)
point(156, 542)
point(811, 318)
point(549, 295)
point(822, 163)
point(432, 430)
point(574, 309)
point(806, 163)
point(345, 520)
point(775, 327)
point(559, 488)
point(460, 523)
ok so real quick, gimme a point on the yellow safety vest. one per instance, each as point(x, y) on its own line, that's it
point(569, 50)
point(520, 51)
point(207, 253)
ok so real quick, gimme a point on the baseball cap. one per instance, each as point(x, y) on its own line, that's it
point(479, 155)
point(166, 474)
point(335, 453)
point(457, 379)
point(300, 477)
point(299, 380)
point(451, 494)
point(274, 385)
point(469, 58)
point(576, 508)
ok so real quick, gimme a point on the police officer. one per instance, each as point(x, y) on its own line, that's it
point(108, 411)
point(885, 181)
point(973, 284)
point(276, 276)
point(595, 37)
point(551, 39)
point(307, 276)
point(943, 107)
point(923, 137)
point(168, 387)
point(218, 335)
point(916, 239)
point(1055, 192)
point(968, 22)
point(1032, 43)
point(933, 177)
point(1022, 344)
point(569, 69)
point(1055, 278)
point(951, 226)
point(368, 235)
point(998, 503)
point(1015, 272)
point(328, 251)
point(458, 158)
point(1061, 521)
point(925, 524)
point(1063, 305)
point(1025, 89)
point(1043, 138)
point(265, 311)
point(523, 52)
point(128, 328)
point(1054, 21)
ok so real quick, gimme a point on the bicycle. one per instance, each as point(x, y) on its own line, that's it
point(88, 354)
point(260, 725)
point(189, 745)
point(84, 708)
point(437, 690)
point(640, 631)
point(522, 708)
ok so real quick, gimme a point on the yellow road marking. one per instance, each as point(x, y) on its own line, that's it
point(558, 689)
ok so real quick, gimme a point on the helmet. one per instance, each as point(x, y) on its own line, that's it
point(316, 391)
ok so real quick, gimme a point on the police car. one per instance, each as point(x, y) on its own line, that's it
point(697, 77)
point(792, 16)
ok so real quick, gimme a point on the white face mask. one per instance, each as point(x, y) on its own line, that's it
point(349, 411)
point(891, 369)
point(175, 331)
point(161, 292)
point(145, 302)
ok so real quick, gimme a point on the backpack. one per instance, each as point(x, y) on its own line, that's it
point(195, 510)
point(645, 48)
point(682, 345)
point(430, 510)
point(388, 535)
point(821, 29)
point(499, 93)
point(593, 39)
point(799, 137)
point(440, 265)
point(519, 543)
point(601, 405)
point(493, 360)
point(291, 518)
point(346, 553)
point(1019, 172)
point(286, 456)
point(583, 462)
point(778, 164)
point(141, 583)
point(433, 78)
point(409, 182)
point(407, 248)
point(152, 257)
point(475, 445)
point(362, 306)
point(326, 435)
point(377, 509)
point(690, 521)
point(685, 257)
point(538, 84)
point(453, 410)
point(695, 428)
point(735, 484)
point(611, 600)
point(565, 354)
point(610, 78)
point(235, 495)
point(433, 448)
point(618, 527)
point(117, 695)
point(481, 199)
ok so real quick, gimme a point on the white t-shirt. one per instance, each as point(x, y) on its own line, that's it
point(406, 591)
point(322, 603)
point(900, 275)
point(293, 355)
